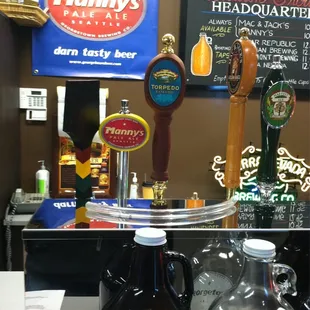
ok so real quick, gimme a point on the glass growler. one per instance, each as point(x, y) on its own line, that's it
point(115, 274)
point(202, 57)
point(257, 287)
point(216, 268)
point(295, 252)
point(148, 286)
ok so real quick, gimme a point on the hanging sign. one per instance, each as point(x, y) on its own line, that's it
point(124, 132)
point(102, 38)
point(292, 172)
point(277, 27)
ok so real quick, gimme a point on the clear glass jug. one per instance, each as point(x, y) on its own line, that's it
point(257, 287)
point(296, 253)
point(216, 268)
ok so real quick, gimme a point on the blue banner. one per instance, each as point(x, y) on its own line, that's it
point(60, 213)
point(96, 38)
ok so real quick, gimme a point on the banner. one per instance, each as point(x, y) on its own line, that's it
point(60, 213)
point(96, 38)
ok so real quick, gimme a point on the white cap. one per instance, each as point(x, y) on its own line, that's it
point(134, 179)
point(150, 236)
point(259, 248)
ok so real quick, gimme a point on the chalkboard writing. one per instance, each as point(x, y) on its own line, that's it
point(285, 215)
point(278, 27)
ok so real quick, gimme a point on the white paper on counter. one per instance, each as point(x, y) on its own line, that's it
point(61, 93)
point(44, 300)
point(12, 290)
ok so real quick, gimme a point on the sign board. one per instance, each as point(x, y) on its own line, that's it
point(286, 215)
point(106, 39)
point(292, 172)
point(277, 27)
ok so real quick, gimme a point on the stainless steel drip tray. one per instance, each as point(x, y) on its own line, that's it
point(55, 218)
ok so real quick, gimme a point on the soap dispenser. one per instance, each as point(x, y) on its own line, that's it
point(134, 187)
point(42, 180)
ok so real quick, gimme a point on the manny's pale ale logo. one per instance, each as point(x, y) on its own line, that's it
point(97, 19)
point(124, 132)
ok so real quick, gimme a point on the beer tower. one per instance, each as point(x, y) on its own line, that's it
point(241, 76)
point(117, 131)
point(164, 88)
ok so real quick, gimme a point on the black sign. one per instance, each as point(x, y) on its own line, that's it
point(278, 27)
point(284, 215)
point(289, 215)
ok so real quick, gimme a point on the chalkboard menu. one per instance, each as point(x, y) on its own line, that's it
point(278, 27)
point(290, 215)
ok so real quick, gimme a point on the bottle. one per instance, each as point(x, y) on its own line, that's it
point(257, 287)
point(194, 202)
point(148, 286)
point(216, 268)
point(305, 303)
point(133, 193)
point(267, 169)
point(147, 189)
point(116, 272)
point(42, 180)
point(295, 252)
point(202, 57)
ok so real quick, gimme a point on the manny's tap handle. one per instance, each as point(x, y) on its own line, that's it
point(241, 76)
point(81, 122)
point(164, 88)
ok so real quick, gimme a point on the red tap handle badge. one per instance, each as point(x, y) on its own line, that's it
point(124, 132)
point(164, 88)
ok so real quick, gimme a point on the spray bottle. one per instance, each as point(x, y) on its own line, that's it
point(134, 187)
point(42, 180)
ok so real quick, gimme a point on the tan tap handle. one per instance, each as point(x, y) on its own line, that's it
point(241, 76)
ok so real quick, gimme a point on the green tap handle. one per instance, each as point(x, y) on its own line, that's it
point(267, 169)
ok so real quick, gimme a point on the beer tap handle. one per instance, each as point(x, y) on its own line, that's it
point(240, 79)
point(164, 87)
point(235, 141)
point(161, 146)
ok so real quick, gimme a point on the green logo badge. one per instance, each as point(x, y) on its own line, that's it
point(165, 76)
point(279, 104)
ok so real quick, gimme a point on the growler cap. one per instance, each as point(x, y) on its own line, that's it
point(259, 248)
point(150, 236)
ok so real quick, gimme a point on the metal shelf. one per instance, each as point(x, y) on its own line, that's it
point(24, 15)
